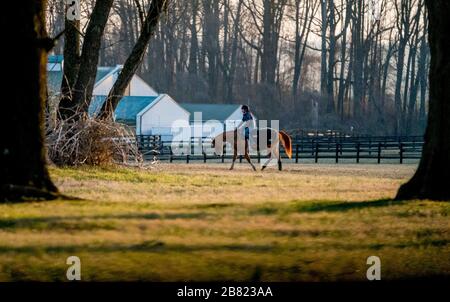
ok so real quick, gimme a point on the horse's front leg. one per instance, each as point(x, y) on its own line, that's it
point(247, 157)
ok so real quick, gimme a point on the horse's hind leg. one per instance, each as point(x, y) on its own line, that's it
point(267, 162)
point(234, 159)
point(277, 154)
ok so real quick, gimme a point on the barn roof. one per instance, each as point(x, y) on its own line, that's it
point(219, 112)
point(127, 109)
point(54, 78)
point(55, 58)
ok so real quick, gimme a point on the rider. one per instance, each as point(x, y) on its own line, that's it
point(248, 122)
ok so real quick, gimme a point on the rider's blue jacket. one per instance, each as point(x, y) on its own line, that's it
point(247, 117)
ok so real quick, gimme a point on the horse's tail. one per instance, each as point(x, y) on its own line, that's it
point(286, 141)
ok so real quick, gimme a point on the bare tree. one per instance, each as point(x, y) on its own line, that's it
point(431, 180)
point(85, 80)
point(134, 59)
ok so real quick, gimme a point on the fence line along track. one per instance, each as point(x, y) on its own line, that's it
point(305, 148)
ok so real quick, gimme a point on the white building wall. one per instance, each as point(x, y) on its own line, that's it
point(138, 87)
point(104, 86)
point(159, 118)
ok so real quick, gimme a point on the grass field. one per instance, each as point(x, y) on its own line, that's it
point(203, 222)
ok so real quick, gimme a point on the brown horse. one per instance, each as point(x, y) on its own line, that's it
point(241, 146)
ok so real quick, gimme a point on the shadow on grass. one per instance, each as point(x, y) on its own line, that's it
point(334, 206)
point(157, 246)
point(321, 206)
point(86, 223)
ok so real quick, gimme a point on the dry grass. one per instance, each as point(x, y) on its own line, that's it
point(203, 222)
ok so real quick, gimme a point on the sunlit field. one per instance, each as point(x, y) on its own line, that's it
point(172, 222)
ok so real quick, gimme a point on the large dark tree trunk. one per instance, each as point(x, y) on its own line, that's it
point(23, 171)
point(432, 178)
point(134, 59)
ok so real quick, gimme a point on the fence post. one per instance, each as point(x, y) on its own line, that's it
point(296, 154)
point(224, 149)
point(379, 152)
point(401, 153)
point(358, 150)
point(204, 157)
point(258, 152)
point(337, 152)
point(316, 157)
point(187, 158)
point(240, 159)
point(171, 154)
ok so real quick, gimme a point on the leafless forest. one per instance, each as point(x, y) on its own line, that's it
point(312, 64)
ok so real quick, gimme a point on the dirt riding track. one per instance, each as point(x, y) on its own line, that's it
point(203, 222)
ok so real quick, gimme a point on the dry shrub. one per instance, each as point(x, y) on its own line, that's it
point(89, 141)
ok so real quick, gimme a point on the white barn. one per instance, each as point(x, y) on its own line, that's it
point(148, 115)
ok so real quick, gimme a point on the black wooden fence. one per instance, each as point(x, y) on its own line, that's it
point(313, 148)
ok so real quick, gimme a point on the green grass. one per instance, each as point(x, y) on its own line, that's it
point(203, 222)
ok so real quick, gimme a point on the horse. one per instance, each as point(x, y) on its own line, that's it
point(273, 136)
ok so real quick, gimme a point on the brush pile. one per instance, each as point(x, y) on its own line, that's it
point(88, 141)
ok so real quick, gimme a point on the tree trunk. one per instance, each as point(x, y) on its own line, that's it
point(323, 56)
point(233, 55)
point(193, 53)
point(423, 66)
point(71, 66)
point(134, 60)
point(331, 58)
point(358, 60)
point(211, 44)
point(23, 170)
point(301, 40)
point(84, 85)
point(341, 88)
point(432, 178)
